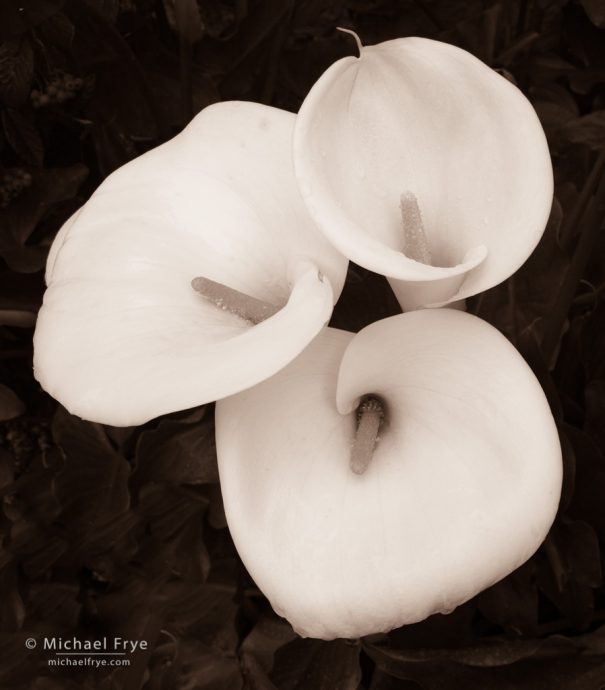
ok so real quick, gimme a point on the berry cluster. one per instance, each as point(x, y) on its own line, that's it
point(62, 88)
point(12, 183)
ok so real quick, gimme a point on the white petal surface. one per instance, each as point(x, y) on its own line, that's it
point(122, 336)
point(462, 488)
point(423, 117)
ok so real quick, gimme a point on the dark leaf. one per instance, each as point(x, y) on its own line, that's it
point(38, 549)
point(595, 9)
point(48, 189)
point(177, 453)
point(589, 488)
point(259, 648)
point(588, 130)
point(16, 71)
point(92, 486)
point(19, 16)
point(57, 30)
point(192, 665)
point(108, 8)
point(56, 602)
point(488, 653)
point(207, 610)
point(594, 395)
point(382, 681)
point(316, 665)
point(10, 404)
point(23, 136)
point(513, 602)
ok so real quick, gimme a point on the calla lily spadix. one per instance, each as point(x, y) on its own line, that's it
point(154, 285)
point(421, 163)
point(460, 483)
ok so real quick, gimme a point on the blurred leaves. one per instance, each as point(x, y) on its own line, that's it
point(49, 188)
point(16, 71)
point(20, 16)
point(528, 664)
point(316, 665)
point(10, 405)
point(595, 9)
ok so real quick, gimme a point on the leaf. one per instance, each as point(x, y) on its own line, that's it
point(554, 663)
point(10, 404)
point(56, 602)
point(569, 568)
point(207, 610)
point(382, 681)
point(592, 343)
point(594, 395)
point(193, 665)
point(484, 654)
point(184, 17)
point(177, 453)
point(259, 648)
point(112, 145)
point(57, 30)
point(316, 665)
point(588, 130)
point(110, 9)
point(92, 485)
point(16, 71)
point(513, 602)
point(38, 549)
point(589, 489)
point(595, 9)
point(20, 291)
point(16, 318)
point(19, 16)
point(23, 136)
point(168, 509)
point(573, 672)
point(48, 189)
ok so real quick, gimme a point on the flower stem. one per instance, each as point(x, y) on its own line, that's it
point(370, 415)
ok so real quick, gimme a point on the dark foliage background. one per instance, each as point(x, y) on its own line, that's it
point(121, 531)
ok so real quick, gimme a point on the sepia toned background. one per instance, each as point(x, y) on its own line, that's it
point(109, 531)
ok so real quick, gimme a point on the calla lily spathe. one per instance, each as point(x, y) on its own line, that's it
point(462, 487)
point(122, 335)
point(421, 163)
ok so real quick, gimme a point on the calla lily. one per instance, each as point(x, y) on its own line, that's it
point(421, 163)
point(460, 483)
point(153, 286)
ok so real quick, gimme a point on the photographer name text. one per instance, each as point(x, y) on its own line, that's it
point(103, 644)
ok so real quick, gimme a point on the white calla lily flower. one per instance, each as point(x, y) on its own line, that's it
point(154, 286)
point(421, 163)
point(459, 486)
